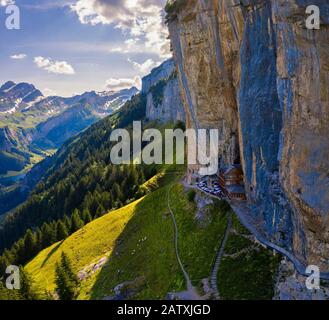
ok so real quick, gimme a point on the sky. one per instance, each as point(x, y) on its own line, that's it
point(67, 47)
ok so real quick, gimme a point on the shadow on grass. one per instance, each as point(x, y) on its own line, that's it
point(143, 258)
point(51, 253)
point(145, 249)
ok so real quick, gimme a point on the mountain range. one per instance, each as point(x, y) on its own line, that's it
point(33, 126)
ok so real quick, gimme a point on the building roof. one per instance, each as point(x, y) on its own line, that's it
point(233, 171)
point(237, 188)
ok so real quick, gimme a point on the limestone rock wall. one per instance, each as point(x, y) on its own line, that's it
point(164, 71)
point(251, 69)
point(209, 72)
point(164, 101)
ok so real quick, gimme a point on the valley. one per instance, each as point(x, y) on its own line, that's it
point(33, 127)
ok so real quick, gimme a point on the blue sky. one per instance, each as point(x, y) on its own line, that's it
point(66, 47)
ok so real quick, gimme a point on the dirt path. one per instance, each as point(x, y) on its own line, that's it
point(191, 293)
point(220, 253)
point(242, 213)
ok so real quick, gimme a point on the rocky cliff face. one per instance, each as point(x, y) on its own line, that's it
point(163, 96)
point(14, 97)
point(252, 70)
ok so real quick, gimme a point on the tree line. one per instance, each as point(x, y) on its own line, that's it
point(66, 281)
point(80, 185)
point(94, 204)
point(82, 182)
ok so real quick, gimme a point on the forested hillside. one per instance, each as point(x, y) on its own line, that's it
point(79, 183)
point(33, 127)
point(81, 180)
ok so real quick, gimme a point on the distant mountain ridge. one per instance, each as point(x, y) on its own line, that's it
point(15, 97)
point(158, 102)
point(26, 98)
point(31, 124)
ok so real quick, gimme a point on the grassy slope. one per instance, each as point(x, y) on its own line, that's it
point(138, 239)
point(86, 246)
point(249, 275)
point(26, 120)
point(153, 259)
point(199, 241)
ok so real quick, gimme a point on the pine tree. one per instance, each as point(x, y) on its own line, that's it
point(76, 221)
point(4, 263)
point(61, 230)
point(66, 281)
point(86, 216)
point(9, 256)
point(141, 178)
point(133, 176)
point(117, 192)
point(67, 222)
point(38, 239)
point(48, 235)
point(106, 200)
point(67, 267)
point(64, 288)
point(6, 294)
point(30, 244)
point(26, 291)
point(100, 212)
point(19, 252)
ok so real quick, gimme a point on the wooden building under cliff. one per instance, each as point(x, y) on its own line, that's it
point(231, 182)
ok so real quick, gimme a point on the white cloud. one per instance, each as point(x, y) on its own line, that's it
point(143, 20)
point(48, 92)
point(4, 3)
point(58, 67)
point(145, 67)
point(18, 56)
point(119, 84)
point(131, 42)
